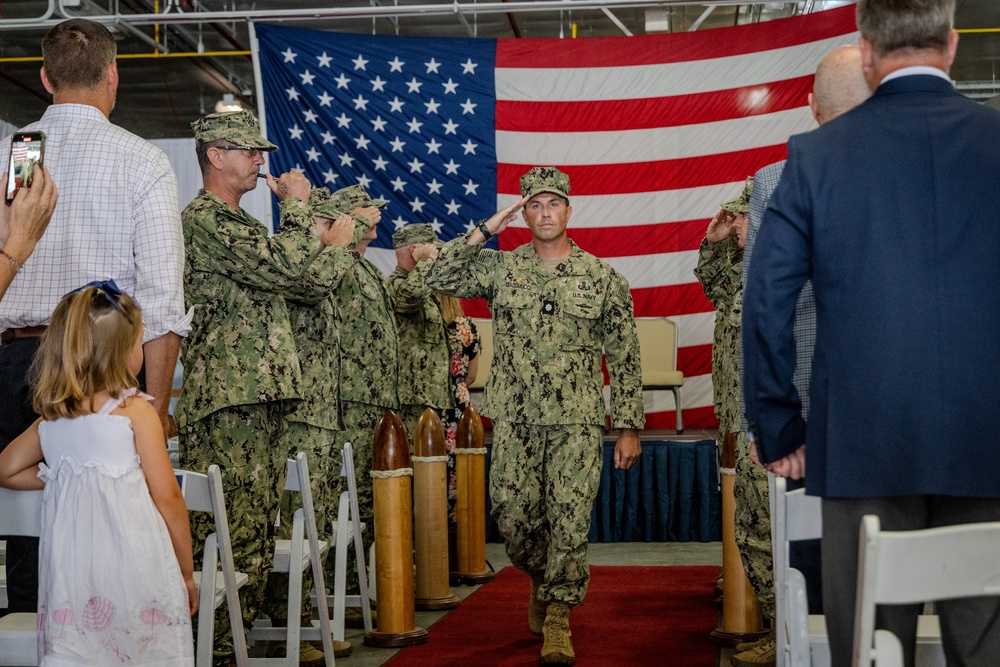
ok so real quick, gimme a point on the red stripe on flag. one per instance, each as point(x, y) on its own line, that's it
point(613, 179)
point(610, 115)
point(624, 241)
point(676, 47)
point(694, 360)
point(668, 301)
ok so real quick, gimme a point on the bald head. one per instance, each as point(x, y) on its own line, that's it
point(840, 84)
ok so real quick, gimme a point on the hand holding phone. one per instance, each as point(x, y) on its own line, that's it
point(26, 150)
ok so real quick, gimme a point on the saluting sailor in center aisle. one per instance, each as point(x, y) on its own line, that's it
point(555, 309)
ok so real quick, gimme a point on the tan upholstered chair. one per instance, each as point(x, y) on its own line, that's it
point(658, 347)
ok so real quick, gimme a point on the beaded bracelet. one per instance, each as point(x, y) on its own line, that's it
point(14, 262)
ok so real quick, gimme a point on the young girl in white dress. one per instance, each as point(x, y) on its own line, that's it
point(115, 567)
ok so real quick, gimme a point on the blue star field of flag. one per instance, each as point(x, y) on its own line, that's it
point(411, 119)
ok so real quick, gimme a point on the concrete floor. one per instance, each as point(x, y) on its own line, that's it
point(631, 553)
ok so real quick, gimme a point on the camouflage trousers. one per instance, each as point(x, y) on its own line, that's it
point(325, 482)
point(543, 482)
point(240, 440)
point(360, 420)
point(753, 525)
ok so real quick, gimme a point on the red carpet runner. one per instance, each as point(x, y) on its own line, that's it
point(632, 616)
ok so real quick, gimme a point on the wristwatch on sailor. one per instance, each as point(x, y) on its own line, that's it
point(481, 225)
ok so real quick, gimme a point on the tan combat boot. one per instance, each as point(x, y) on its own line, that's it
point(309, 655)
point(536, 609)
point(557, 649)
point(761, 655)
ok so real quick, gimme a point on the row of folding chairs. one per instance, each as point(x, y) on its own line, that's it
point(894, 567)
point(218, 582)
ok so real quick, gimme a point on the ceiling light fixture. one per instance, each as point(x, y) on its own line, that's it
point(228, 103)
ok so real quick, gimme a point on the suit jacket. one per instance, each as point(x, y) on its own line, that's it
point(889, 211)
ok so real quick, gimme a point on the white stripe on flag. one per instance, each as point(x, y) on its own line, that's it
point(671, 79)
point(642, 208)
point(650, 145)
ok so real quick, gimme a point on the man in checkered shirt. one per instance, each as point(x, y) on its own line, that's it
point(117, 218)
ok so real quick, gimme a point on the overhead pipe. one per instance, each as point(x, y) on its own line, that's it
point(364, 12)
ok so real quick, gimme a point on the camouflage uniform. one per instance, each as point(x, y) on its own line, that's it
point(240, 362)
point(424, 357)
point(720, 271)
point(369, 357)
point(312, 424)
point(545, 391)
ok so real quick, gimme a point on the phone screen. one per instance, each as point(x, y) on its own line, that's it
point(25, 151)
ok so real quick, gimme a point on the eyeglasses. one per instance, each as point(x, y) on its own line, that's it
point(251, 152)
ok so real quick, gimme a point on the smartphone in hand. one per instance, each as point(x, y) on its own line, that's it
point(26, 150)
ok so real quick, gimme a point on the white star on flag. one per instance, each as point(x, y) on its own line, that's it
point(362, 142)
point(468, 107)
point(346, 159)
point(415, 125)
point(328, 138)
point(342, 81)
point(469, 67)
point(329, 176)
point(343, 120)
point(292, 94)
point(295, 131)
point(307, 78)
point(450, 127)
point(324, 60)
point(359, 63)
point(378, 83)
point(434, 187)
point(397, 145)
point(398, 184)
point(416, 205)
point(470, 148)
point(378, 124)
point(396, 65)
point(313, 154)
point(289, 55)
point(415, 165)
point(433, 146)
point(453, 207)
point(450, 87)
point(310, 116)
point(326, 99)
point(433, 66)
point(432, 106)
point(451, 167)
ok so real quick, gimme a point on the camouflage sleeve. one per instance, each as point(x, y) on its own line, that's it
point(360, 229)
point(714, 271)
point(323, 275)
point(621, 350)
point(459, 270)
point(408, 290)
point(240, 249)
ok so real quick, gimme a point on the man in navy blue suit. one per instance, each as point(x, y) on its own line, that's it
point(888, 211)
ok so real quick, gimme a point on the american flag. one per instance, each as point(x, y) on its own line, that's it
point(654, 131)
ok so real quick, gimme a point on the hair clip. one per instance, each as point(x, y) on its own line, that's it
point(108, 288)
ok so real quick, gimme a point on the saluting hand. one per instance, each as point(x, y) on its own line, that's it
point(720, 227)
point(340, 232)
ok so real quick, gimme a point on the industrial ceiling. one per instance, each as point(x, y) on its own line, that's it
point(177, 58)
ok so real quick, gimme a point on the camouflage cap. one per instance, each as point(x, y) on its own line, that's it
point(742, 203)
point(239, 127)
point(355, 196)
point(545, 179)
point(415, 234)
point(323, 204)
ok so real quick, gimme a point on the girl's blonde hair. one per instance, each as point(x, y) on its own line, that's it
point(451, 308)
point(85, 350)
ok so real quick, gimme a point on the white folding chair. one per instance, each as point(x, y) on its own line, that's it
point(21, 515)
point(347, 531)
point(203, 493)
point(304, 550)
point(910, 567)
point(801, 637)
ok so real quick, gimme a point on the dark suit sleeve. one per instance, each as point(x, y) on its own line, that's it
point(781, 266)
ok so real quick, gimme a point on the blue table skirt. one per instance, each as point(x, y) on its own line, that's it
point(671, 495)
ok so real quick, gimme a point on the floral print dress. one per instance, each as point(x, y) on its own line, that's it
point(463, 344)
